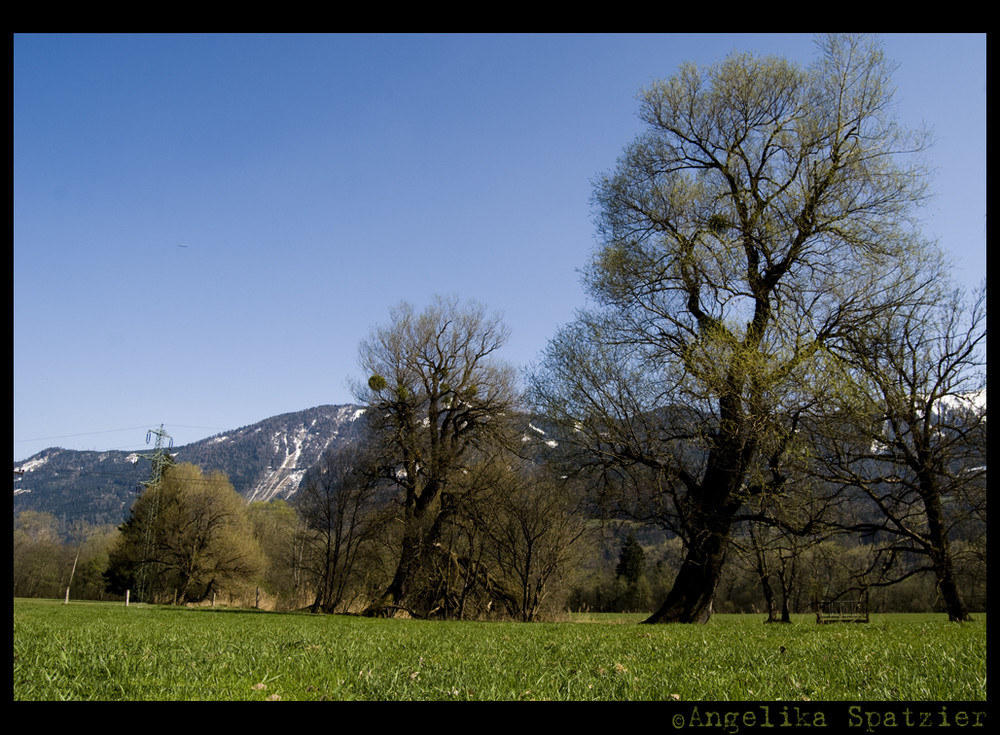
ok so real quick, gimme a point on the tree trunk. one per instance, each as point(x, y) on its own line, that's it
point(764, 575)
point(947, 586)
point(690, 598)
point(769, 598)
point(427, 516)
point(940, 551)
point(711, 507)
point(786, 613)
point(396, 591)
point(786, 576)
point(409, 565)
point(953, 602)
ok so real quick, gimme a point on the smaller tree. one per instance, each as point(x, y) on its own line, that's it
point(337, 504)
point(186, 537)
point(631, 570)
point(631, 561)
point(534, 526)
point(909, 440)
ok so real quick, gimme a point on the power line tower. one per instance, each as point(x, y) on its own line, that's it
point(160, 456)
point(160, 459)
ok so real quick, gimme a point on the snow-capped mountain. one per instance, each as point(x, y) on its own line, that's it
point(264, 461)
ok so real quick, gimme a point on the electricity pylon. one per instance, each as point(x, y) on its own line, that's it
point(160, 458)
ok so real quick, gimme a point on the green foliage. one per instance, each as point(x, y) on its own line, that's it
point(50, 557)
point(631, 561)
point(39, 555)
point(110, 652)
point(187, 537)
point(275, 528)
point(718, 223)
point(632, 589)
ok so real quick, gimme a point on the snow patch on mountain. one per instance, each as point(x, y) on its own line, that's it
point(298, 446)
point(31, 465)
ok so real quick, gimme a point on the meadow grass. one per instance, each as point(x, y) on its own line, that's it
point(103, 651)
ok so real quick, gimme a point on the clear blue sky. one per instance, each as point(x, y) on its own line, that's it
point(205, 226)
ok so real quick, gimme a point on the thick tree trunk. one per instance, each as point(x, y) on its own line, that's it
point(953, 602)
point(711, 507)
point(954, 605)
point(395, 594)
point(423, 525)
point(690, 598)
point(417, 549)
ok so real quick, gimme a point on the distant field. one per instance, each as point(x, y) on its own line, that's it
point(102, 651)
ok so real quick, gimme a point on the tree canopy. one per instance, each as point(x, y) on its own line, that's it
point(766, 212)
point(186, 536)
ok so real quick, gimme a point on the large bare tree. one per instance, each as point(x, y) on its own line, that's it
point(438, 396)
point(765, 212)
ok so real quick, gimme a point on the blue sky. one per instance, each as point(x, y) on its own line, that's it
point(206, 226)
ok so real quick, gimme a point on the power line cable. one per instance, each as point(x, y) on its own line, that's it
point(88, 433)
point(115, 431)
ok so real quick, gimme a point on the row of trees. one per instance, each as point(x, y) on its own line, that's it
point(509, 542)
point(642, 573)
point(611, 569)
point(51, 556)
point(774, 361)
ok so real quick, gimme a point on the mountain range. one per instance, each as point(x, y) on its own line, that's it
point(264, 461)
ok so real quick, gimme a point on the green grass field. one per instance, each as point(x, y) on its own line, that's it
point(102, 651)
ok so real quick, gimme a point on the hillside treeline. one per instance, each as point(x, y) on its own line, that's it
point(100, 487)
